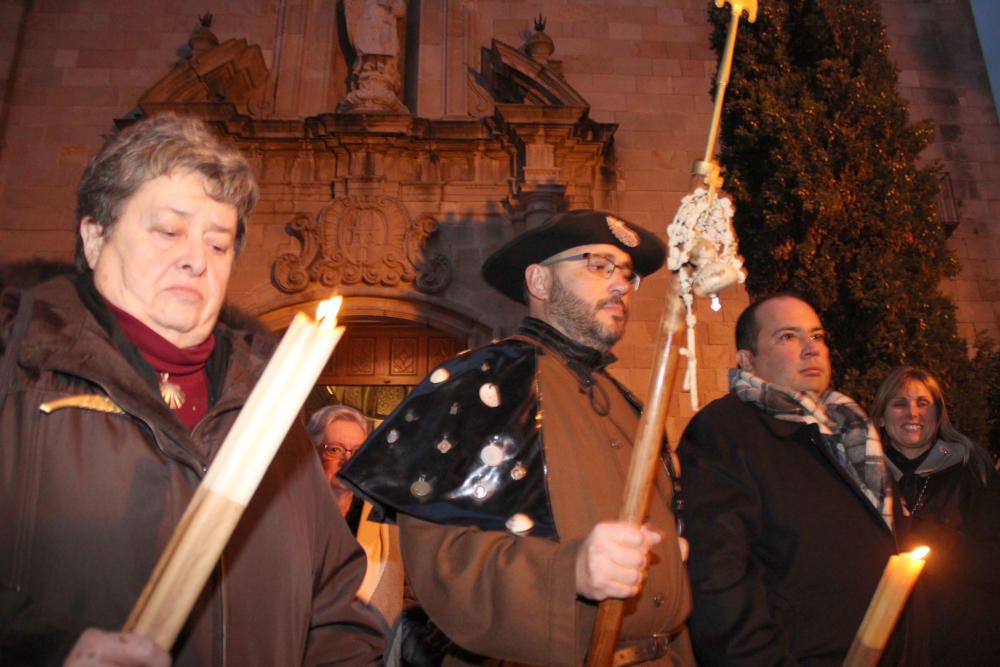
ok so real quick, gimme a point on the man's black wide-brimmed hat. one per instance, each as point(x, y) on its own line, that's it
point(504, 269)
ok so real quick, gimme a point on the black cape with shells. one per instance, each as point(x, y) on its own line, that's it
point(464, 448)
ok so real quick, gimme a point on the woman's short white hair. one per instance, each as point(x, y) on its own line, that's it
point(331, 413)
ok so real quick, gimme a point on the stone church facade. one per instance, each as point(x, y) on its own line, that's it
point(390, 168)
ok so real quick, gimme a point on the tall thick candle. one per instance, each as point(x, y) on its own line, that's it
point(272, 406)
point(218, 503)
point(887, 604)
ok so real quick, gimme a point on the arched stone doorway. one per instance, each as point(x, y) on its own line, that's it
point(388, 348)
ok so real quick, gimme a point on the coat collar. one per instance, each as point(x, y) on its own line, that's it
point(808, 435)
point(65, 337)
point(779, 428)
point(941, 456)
point(586, 358)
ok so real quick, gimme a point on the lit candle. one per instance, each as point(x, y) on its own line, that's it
point(887, 604)
point(218, 503)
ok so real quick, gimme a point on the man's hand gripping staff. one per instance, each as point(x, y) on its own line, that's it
point(703, 258)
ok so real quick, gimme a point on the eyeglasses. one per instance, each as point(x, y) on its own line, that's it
point(601, 265)
point(339, 450)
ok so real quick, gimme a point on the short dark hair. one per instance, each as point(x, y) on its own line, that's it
point(747, 327)
point(156, 147)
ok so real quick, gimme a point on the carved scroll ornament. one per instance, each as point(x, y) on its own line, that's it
point(365, 239)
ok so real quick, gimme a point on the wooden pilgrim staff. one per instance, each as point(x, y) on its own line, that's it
point(649, 437)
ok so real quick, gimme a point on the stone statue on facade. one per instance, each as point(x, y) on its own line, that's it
point(372, 28)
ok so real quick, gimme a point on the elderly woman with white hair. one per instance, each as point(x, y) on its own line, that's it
point(337, 432)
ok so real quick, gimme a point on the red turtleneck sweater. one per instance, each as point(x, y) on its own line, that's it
point(184, 368)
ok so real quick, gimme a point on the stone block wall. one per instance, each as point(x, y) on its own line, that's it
point(69, 68)
point(647, 67)
point(77, 66)
point(942, 74)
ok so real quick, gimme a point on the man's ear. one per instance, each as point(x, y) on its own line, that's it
point(744, 359)
point(538, 281)
point(92, 235)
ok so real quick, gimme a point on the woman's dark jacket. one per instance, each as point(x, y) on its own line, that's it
point(953, 506)
point(91, 491)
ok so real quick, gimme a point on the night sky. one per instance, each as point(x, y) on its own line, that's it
point(988, 21)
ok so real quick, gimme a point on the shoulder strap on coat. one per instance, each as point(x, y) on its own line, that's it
point(17, 333)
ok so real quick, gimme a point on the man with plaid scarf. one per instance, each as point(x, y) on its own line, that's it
point(788, 507)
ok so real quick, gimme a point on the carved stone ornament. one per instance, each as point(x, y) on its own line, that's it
point(228, 73)
point(363, 239)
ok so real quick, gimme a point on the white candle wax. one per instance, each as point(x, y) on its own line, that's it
point(894, 588)
point(272, 407)
point(897, 581)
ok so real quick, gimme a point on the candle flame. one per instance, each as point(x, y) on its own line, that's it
point(919, 553)
point(328, 309)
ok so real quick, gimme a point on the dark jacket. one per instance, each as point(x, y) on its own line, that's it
point(89, 495)
point(785, 551)
point(954, 501)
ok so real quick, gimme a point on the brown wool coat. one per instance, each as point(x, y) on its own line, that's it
point(514, 597)
point(88, 499)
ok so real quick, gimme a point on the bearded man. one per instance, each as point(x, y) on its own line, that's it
point(506, 466)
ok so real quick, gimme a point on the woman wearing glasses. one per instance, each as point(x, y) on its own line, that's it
point(338, 431)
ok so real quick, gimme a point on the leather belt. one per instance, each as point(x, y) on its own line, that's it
point(635, 651)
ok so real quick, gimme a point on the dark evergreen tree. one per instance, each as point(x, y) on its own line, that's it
point(832, 200)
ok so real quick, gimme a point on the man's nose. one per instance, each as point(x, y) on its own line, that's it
point(618, 285)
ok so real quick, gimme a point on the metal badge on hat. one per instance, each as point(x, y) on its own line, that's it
point(622, 232)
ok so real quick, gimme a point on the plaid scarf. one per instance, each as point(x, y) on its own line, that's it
point(846, 431)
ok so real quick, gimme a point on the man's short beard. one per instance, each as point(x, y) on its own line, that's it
point(578, 320)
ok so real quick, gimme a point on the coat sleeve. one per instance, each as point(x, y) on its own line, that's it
point(964, 533)
point(342, 630)
point(731, 623)
point(980, 537)
point(494, 593)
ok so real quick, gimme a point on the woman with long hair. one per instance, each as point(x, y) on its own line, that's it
point(950, 500)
